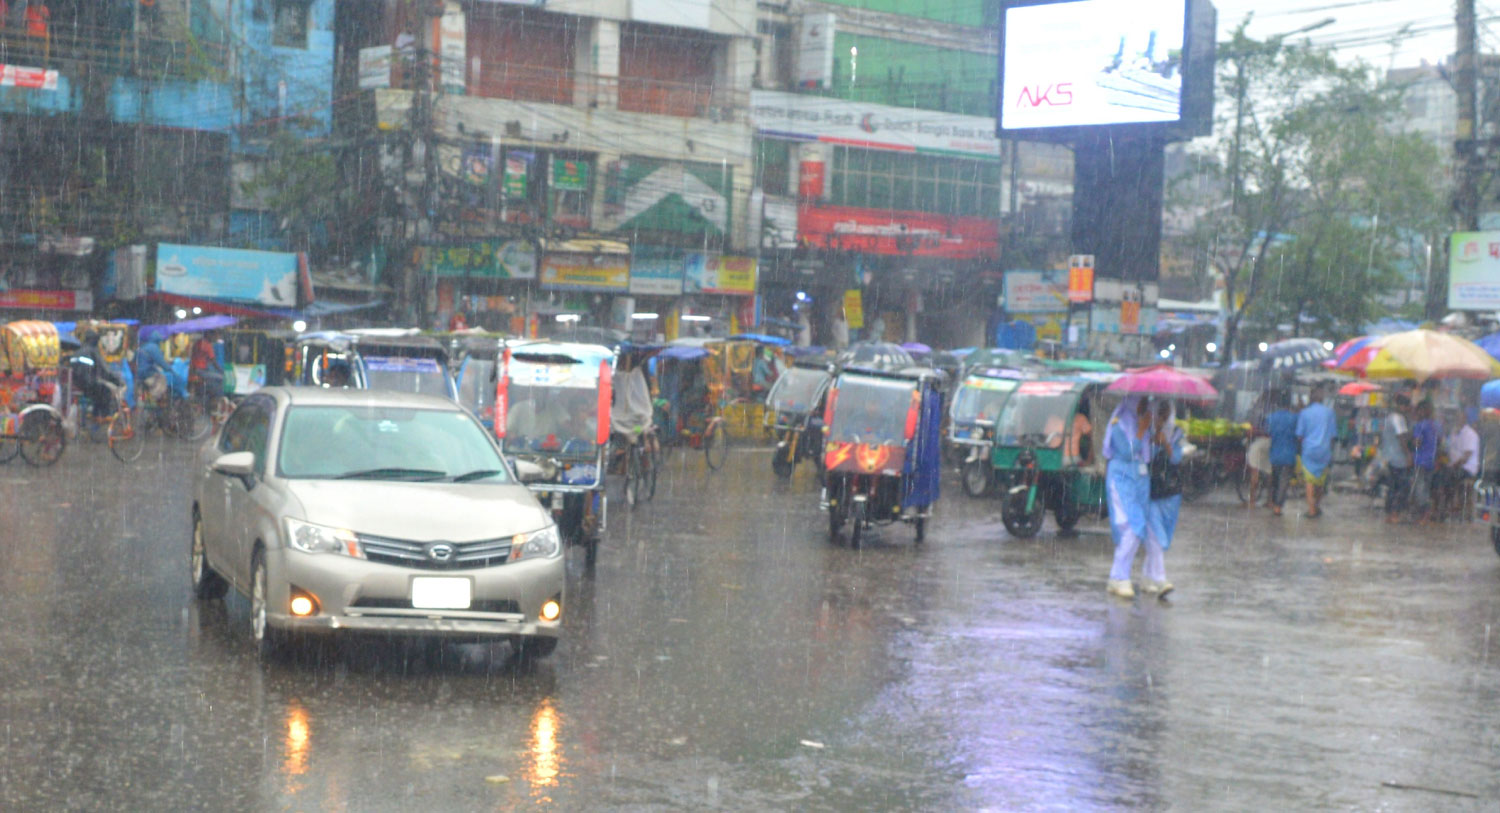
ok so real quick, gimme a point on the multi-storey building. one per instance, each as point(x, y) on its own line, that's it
point(583, 160)
point(130, 123)
point(881, 172)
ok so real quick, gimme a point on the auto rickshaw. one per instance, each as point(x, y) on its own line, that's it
point(882, 456)
point(552, 406)
point(31, 387)
point(794, 412)
point(376, 361)
point(971, 423)
point(477, 360)
point(258, 358)
point(1044, 458)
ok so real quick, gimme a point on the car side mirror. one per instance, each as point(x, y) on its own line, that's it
point(236, 464)
point(529, 472)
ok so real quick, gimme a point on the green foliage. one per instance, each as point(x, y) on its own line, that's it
point(1327, 196)
point(299, 181)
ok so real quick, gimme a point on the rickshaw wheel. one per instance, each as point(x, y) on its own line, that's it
point(590, 552)
point(716, 446)
point(647, 485)
point(1495, 537)
point(1019, 523)
point(9, 448)
point(856, 526)
point(781, 465)
point(632, 476)
point(1067, 513)
point(42, 439)
point(835, 521)
point(921, 524)
point(978, 475)
point(126, 440)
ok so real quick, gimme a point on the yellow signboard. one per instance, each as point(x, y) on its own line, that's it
point(854, 309)
point(582, 272)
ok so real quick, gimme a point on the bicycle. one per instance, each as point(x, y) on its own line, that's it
point(128, 427)
point(206, 416)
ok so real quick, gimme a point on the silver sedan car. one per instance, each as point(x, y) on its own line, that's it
point(372, 511)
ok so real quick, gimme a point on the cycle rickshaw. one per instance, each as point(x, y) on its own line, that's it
point(31, 385)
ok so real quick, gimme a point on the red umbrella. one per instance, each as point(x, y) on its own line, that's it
point(1164, 380)
point(1358, 388)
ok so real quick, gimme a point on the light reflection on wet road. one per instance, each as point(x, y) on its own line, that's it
point(725, 655)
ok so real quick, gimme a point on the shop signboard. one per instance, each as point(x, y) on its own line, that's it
point(58, 300)
point(854, 309)
point(605, 273)
point(570, 175)
point(452, 39)
point(907, 234)
point(1081, 278)
point(1036, 291)
point(17, 76)
point(517, 173)
point(684, 197)
point(511, 259)
point(656, 271)
point(375, 67)
point(1474, 271)
point(801, 117)
point(239, 275)
point(718, 274)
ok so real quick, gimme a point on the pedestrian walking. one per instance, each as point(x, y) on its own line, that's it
point(1258, 453)
point(1317, 426)
point(1166, 498)
point(1424, 438)
point(1281, 427)
point(1395, 456)
point(1127, 484)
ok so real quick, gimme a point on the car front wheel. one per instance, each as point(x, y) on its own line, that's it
point(267, 639)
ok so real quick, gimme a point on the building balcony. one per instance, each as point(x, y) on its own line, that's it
point(72, 49)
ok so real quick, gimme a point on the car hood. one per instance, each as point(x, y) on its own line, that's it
point(421, 512)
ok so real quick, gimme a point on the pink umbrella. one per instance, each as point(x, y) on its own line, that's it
point(1164, 380)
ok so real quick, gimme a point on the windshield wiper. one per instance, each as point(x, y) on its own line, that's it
point(477, 474)
point(392, 473)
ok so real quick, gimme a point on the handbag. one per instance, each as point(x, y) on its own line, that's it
point(1166, 476)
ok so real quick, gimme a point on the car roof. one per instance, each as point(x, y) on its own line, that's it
point(331, 396)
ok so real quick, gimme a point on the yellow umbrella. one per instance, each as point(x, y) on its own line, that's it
point(1424, 354)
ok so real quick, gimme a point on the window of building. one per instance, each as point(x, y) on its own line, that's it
point(773, 166)
point(877, 179)
point(289, 26)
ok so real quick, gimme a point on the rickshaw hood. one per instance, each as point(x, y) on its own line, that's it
point(454, 512)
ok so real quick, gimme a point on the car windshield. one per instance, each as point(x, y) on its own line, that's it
point(981, 401)
point(364, 442)
point(421, 376)
point(871, 411)
point(797, 390)
point(1037, 414)
point(560, 420)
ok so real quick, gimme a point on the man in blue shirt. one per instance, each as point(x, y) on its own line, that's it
point(1424, 435)
point(1281, 427)
point(1316, 428)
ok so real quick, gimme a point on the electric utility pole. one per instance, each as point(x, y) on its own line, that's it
point(1467, 144)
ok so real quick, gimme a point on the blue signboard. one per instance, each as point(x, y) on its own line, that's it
point(264, 277)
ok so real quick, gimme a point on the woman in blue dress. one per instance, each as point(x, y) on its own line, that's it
point(1161, 514)
point(1127, 484)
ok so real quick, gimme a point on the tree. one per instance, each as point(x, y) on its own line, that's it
point(1323, 190)
point(299, 182)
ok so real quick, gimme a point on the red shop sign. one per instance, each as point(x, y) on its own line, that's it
point(63, 300)
point(910, 234)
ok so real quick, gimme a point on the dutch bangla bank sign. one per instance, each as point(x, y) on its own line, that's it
point(797, 117)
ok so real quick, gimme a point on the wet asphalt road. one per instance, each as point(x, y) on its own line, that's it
point(725, 655)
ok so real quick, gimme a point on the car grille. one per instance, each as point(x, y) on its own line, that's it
point(493, 605)
point(484, 553)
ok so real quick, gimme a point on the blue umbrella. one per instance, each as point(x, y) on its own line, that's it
point(1490, 344)
point(1489, 395)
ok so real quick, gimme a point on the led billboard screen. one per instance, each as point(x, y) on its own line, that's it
point(1105, 63)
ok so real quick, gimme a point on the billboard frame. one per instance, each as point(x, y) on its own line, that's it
point(1195, 113)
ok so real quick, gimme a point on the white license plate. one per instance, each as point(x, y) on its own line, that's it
point(440, 593)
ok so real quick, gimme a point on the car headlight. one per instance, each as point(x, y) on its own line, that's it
point(542, 544)
point(310, 538)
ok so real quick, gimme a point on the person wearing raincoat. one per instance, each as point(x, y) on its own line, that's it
point(1127, 485)
point(1161, 513)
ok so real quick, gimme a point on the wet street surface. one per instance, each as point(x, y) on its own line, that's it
point(725, 655)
